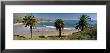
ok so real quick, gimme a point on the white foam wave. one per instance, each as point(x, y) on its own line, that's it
point(50, 26)
point(55, 27)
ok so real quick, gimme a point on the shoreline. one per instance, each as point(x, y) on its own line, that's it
point(38, 31)
point(48, 33)
point(18, 24)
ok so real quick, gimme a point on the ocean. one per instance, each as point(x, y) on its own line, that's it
point(49, 26)
point(68, 23)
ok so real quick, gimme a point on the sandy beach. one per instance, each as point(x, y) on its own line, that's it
point(38, 31)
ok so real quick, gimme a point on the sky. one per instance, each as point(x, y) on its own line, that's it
point(54, 16)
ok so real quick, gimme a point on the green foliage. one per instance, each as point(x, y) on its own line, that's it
point(93, 32)
point(59, 24)
point(86, 33)
point(41, 36)
point(83, 22)
point(29, 21)
point(18, 37)
point(79, 36)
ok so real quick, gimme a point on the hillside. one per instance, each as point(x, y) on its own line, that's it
point(20, 20)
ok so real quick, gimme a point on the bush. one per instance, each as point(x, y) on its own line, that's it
point(16, 35)
point(79, 36)
point(93, 33)
point(41, 36)
point(22, 37)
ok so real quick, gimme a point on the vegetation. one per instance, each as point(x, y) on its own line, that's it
point(90, 34)
point(59, 24)
point(86, 32)
point(93, 32)
point(29, 21)
point(83, 22)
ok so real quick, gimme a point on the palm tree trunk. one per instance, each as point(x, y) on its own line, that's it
point(82, 28)
point(60, 32)
point(31, 30)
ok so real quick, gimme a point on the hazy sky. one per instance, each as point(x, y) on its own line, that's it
point(53, 16)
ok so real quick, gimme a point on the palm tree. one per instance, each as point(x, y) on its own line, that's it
point(29, 21)
point(59, 24)
point(83, 22)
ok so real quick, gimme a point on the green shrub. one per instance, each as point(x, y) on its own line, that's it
point(41, 36)
point(16, 35)
point(79, 36)
point(93, 33)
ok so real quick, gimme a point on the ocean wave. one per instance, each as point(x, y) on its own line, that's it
point(69, 28)
point(50, 26)
point(55, 27)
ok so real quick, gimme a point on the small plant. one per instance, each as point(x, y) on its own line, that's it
point(50, 36)
point(41, 36)
point(22, 37)
point(16, 35)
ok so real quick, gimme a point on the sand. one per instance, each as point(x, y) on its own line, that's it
point(39, 31)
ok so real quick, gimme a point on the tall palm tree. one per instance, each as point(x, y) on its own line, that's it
point(59, 24)
point(83, 22)
point(29, 21)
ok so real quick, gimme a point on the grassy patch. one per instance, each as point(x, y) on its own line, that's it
point(89, 34)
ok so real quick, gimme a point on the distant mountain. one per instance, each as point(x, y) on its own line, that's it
point(17, 20)
point(20, 19)
point(42, 19)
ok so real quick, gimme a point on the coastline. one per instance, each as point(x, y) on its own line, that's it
point(18, 24)
point(39, 31)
